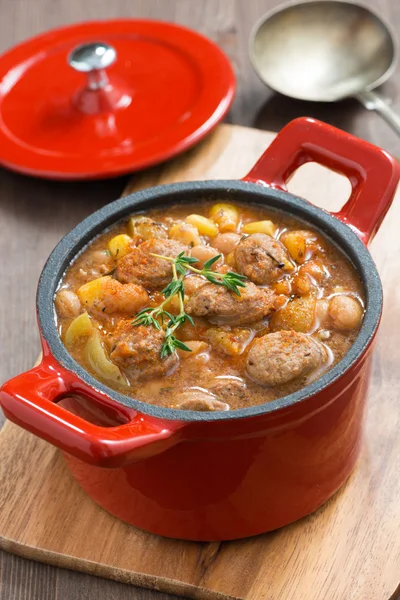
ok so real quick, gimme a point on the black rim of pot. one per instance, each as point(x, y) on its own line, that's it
point(237, 191)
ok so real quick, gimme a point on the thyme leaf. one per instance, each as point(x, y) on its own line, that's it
point(159, 318)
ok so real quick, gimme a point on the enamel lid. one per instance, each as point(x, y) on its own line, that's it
point(101, 99)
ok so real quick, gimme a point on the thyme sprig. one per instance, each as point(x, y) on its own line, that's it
point(158, 317)
point(183, 263)
point(153, 316)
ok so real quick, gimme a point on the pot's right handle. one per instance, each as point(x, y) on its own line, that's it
point(373, 173)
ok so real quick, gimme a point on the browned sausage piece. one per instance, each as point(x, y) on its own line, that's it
point(262, 258)
point(141, 268)
point(192, 283)
point(230, 390)
point(136, 350)
point(277, 358)
point(221, 306)
point(199, 400)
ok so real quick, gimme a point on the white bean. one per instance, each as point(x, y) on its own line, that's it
point(204, 253)
point(345, 312)
point(97, 263)
point(225, 242)
point(67, 304)
point(99, 257)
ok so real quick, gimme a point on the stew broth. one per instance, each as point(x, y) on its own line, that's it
point(296, 317)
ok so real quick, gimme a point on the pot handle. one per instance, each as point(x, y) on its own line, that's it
point(373, 173)
point(30, 400)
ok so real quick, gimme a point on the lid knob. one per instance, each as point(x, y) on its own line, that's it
point(99, 95)
point(93, 58)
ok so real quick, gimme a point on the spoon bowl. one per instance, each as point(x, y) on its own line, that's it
point(324, 51)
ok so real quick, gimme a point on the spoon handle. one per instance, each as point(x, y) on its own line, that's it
point(374, 101)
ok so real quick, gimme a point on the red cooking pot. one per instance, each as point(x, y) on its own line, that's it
point(218, 475)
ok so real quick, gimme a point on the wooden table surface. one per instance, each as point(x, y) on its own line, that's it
point(34, 214)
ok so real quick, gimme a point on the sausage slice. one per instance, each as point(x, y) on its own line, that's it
point(141, 268)
point(136, 350)
point(262, 258)
point(219, 305)
point(199, 400)
point(279, 357)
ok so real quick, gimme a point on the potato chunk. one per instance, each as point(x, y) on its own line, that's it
point(120, 245)
point(226, 216)
point(186, 234)
point(314, 269)
point(259, 227)
point(301, 284)
point(91, 293)
point(203, 225)
point(230, 341)
point(296, 245)
point(108, 295)
point(283, 286)
point(297, 315)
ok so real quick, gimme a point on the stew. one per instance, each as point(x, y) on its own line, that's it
point(209, 307)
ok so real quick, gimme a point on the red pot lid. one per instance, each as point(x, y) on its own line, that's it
point(167, 87)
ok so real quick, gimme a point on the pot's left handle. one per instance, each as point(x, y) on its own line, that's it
point(372, 172)
point(30, 400)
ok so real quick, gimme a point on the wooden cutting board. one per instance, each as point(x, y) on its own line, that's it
point(348, 550)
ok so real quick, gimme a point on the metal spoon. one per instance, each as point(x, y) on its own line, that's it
point(324, 51)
